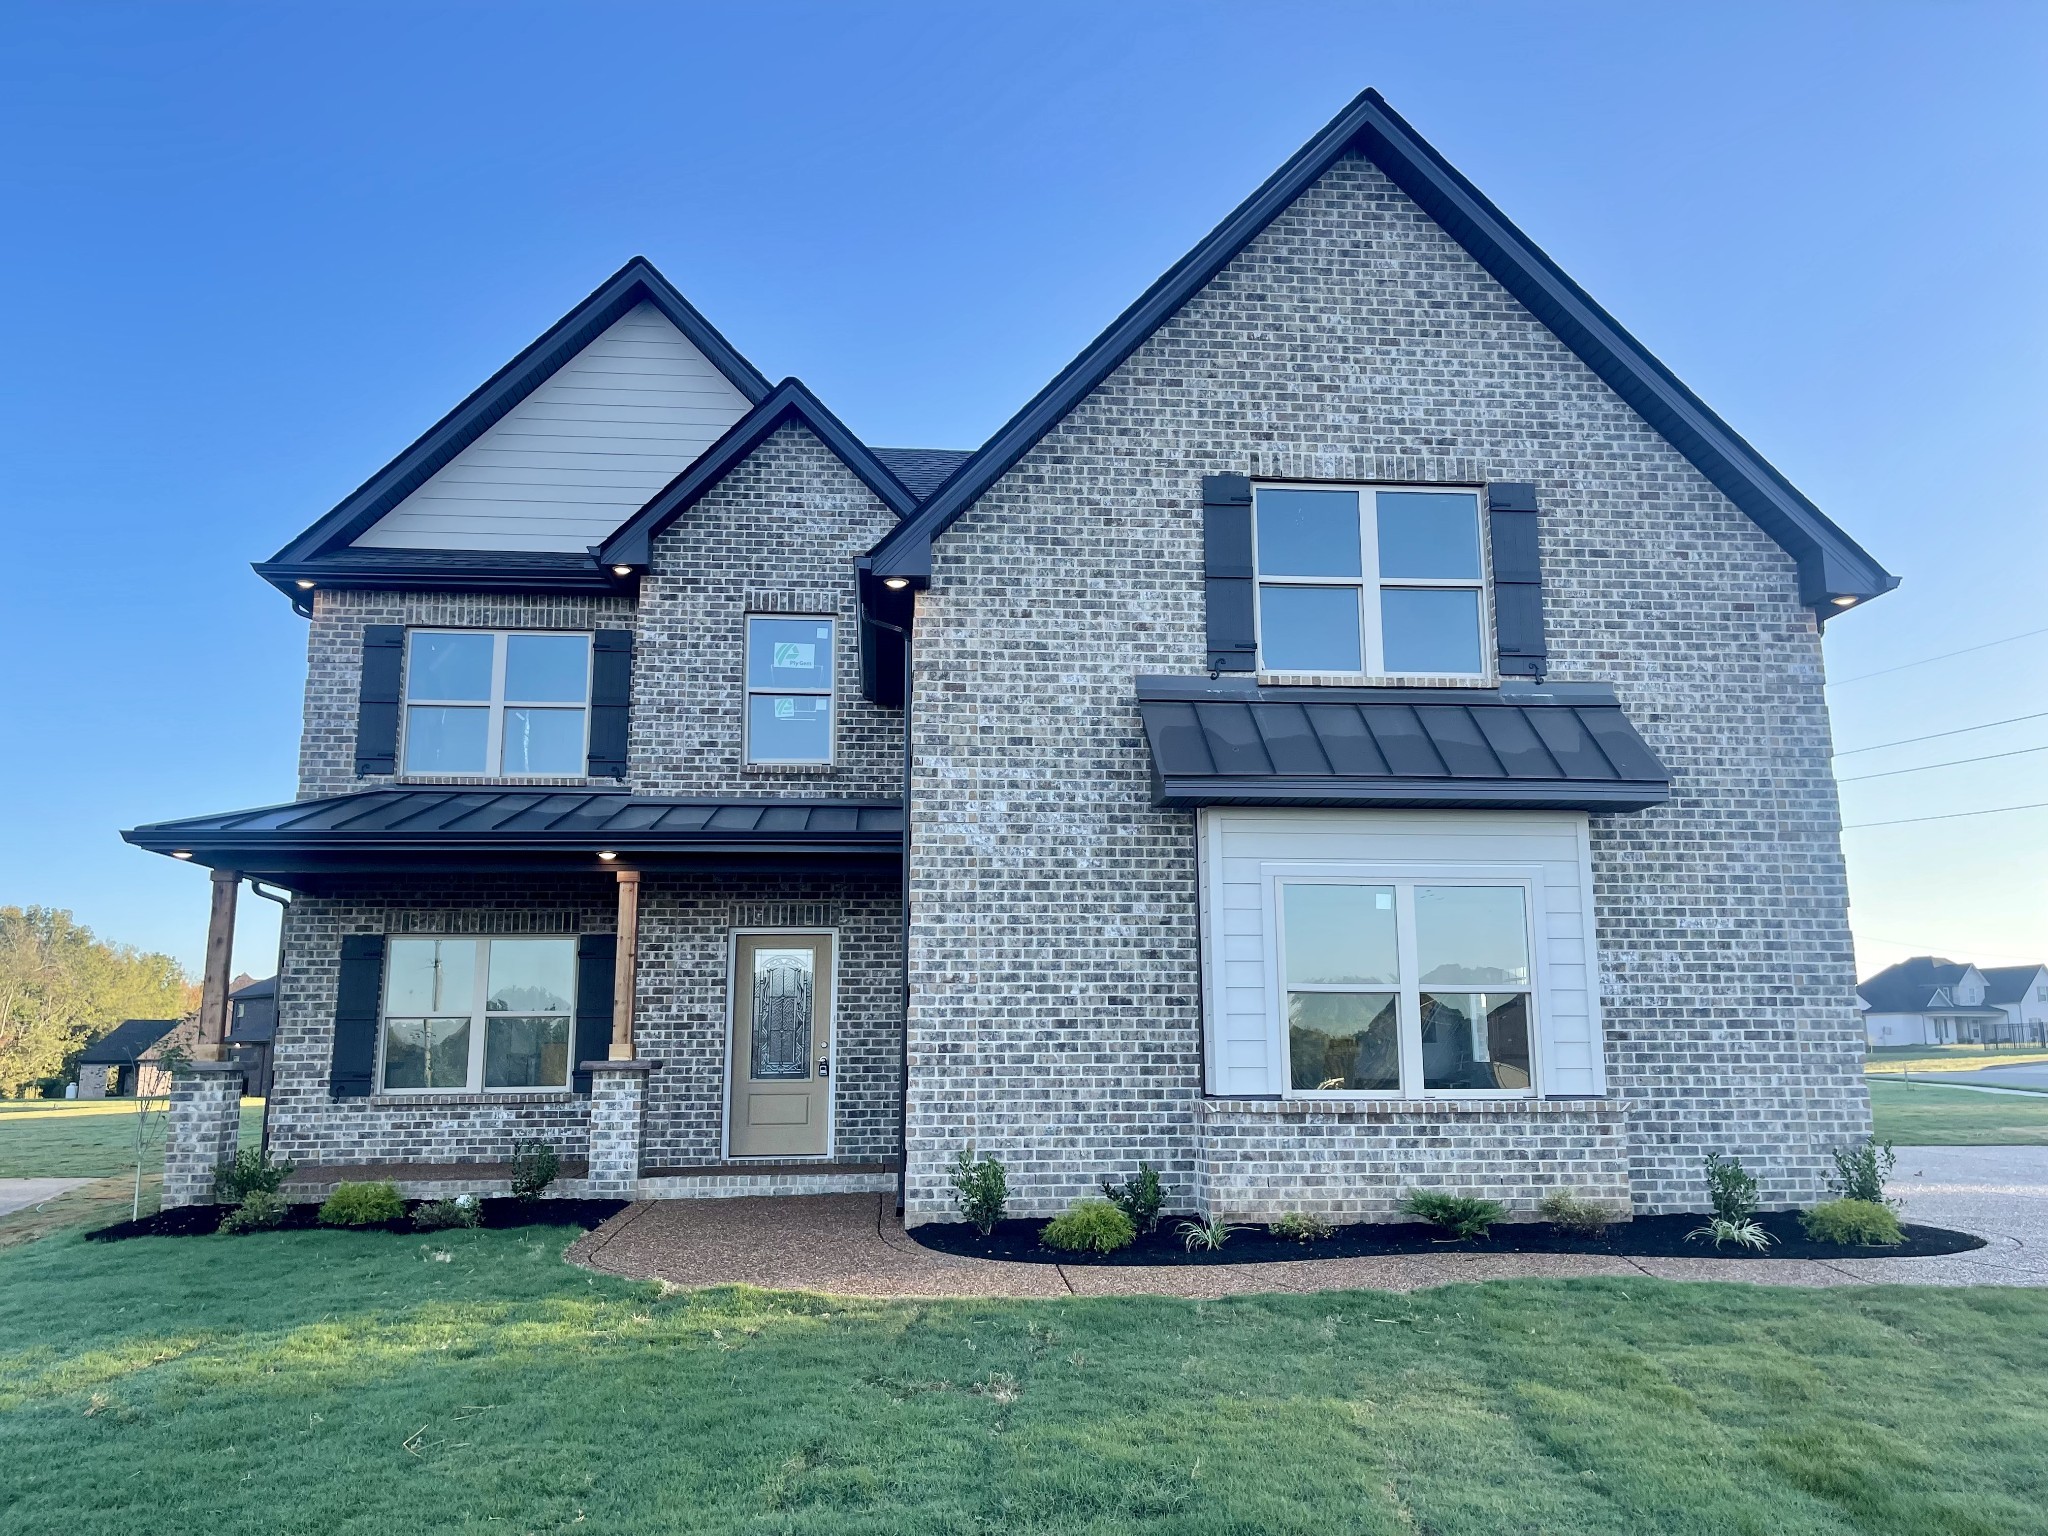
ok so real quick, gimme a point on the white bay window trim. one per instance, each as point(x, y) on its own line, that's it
point(478, 1016)
point(497, 706)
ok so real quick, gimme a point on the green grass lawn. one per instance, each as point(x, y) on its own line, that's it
point(1930, 1115)
point(1947, 1058)
point(85, 1138)
point(364, 1383)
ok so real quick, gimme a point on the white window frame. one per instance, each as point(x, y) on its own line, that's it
point(1403, 878)
point(479, 1016)
point(496, 705)
point(829, 693)
point(1369, 584)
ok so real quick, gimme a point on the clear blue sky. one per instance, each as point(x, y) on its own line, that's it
point(255, 249)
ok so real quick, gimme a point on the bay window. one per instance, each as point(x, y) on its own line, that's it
point(1406, 987)
point(1369, 581)
point(477, 1015)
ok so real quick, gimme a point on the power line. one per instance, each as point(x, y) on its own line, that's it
point(1956, 762)
point(1944, 656)
point(1906, 821)
point(1961, 730)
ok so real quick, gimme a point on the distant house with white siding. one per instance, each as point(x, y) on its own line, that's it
point(1931, 1001)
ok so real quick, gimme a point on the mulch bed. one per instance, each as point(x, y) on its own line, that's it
point(1646, 1237)
point(204, 1220)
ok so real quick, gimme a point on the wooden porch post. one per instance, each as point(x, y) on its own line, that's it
point(213, 986)
point(626, 965)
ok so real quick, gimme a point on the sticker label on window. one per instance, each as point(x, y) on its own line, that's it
point(790, 653)
point(785, 709)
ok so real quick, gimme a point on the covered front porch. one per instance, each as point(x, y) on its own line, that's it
point(682, 998)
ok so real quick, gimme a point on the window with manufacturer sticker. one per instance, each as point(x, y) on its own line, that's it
point(789, 689)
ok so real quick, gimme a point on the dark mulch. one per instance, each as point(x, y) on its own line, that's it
point(1646, 1237)
point(204, 1220)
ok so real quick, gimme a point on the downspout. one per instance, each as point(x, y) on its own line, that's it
point(276, 1004)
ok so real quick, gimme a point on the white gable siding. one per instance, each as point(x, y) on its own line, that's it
point(581, 454)
point(1243, 851)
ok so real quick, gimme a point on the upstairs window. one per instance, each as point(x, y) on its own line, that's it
point(1369, 582)
point(477, 1014)
point(789, 690)
point(496, 703)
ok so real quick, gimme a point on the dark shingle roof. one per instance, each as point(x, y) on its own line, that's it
point(1225, 742)
point(126, 1042)
point(1907, 986)
point(2007, 983)
point(922, 470)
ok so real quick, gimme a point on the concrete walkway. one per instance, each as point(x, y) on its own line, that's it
point(853, 1245)
point(20, 1194)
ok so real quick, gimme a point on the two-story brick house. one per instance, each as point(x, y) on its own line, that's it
point(1359, 728)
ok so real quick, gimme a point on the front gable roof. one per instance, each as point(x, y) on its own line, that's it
point(633, 544)
point(1833, 568)
point(2008, 983)
point(1920, 984)
point(324, 550)
point(126, 1042)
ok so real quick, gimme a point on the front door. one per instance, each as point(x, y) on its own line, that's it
point(781, 1045)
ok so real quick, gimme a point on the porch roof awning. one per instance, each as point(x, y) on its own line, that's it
point(1565, 746)
point(474, 831)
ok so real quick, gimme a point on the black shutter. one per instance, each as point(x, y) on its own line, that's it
point(377, 700)
point(597, 957)
point(1517, 580)
point(1227, 572)
point(611, 693)
point(356, 1004)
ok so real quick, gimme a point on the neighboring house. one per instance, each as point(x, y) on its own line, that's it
point(127, 1061)
point(1930, 1001)
point(1359, 728)
point(252, 1025)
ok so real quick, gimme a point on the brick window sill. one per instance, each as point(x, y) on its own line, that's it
point(485, 781)
point(789, 770)
point(496, 1100)
point(1355, 680)
point(1403, 1109)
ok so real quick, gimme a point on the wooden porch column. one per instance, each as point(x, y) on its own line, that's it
point(626, 966)
point(220, 951)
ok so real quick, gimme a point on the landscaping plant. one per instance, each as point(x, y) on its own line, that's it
point(982, 1188)
point(1089, 1226)
point(249, 1173)
point(1859, 1223)
point(257, 1211)
point(1206, 1236)
point(1564, 1210)
point(1138, 1198)
point(1731, 1189)
point(1860, 1173)
point(462, 1211)
point(1464, 1216)
point(1302, 1227)
point(534, 1166)
point(362, 1205)
point(1744, 1233)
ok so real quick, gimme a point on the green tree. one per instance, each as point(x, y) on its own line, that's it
point(61, 987)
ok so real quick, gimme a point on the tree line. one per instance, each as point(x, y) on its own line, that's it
point(62, 987)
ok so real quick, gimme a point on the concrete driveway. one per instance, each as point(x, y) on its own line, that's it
point(853, 1245)
point(2026, 1074)
point(20, 1194)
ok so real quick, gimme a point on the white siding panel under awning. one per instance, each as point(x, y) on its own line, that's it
point(1243, 849)
point(581, 454)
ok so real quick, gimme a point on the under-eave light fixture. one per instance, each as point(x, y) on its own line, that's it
point(895, 583)
point(607, 854)
point(303, 586)
point(181, 853)
point(1843, 602)
point(622, 570)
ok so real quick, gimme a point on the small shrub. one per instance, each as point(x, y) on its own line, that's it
point(1731, 1189)
point(1089, 1226)
point(1744, 1233)
point(1461, 1215)
point(1301, 1227)
point(250, 1173)
point(534, 1166)
point(1564, 1210)
point(259, 1211)
point(1138, 1198)
point(1860, 1173)
point(362, 1205)
point(1858, 1223)
point(1206, 1236)
point(982, 1188)
point(462, 1211)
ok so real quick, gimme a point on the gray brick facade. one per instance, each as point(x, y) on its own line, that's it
point(1055, 1016)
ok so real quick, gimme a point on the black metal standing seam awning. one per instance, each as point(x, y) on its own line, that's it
point(1556, 747)
point(306, 845)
